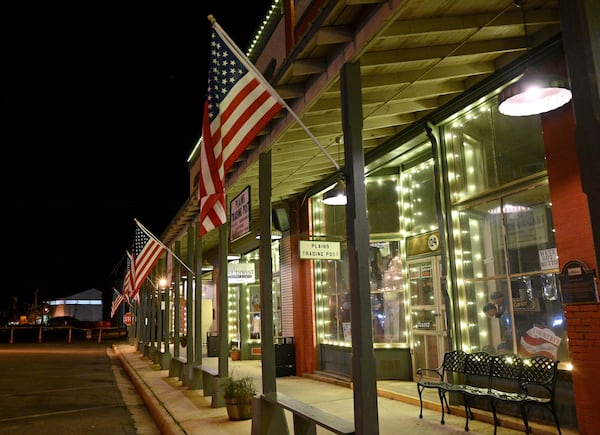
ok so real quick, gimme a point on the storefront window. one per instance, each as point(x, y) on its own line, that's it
point(505, 253)
point(486, 150)
point(332, 290)
point(386, 272)
point(244, 304)
point(388, 312)
point(418, 197)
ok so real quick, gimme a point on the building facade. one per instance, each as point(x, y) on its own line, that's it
point(473, 219)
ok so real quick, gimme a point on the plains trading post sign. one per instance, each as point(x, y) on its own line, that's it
point(319, 250)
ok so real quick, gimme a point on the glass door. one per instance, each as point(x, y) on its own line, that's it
point(427, 319)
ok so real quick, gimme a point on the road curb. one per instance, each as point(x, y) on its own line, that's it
point(165, 422)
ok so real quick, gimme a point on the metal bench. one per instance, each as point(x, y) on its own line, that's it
point(495, 378)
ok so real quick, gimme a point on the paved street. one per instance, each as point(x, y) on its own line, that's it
point(68, 389)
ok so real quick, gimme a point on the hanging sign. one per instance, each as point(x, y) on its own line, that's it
point(239, 215)
point(320, 250)
point(578, 283)
point(241, 273)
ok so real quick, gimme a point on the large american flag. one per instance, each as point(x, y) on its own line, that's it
point(146, 252)
point(238, 106)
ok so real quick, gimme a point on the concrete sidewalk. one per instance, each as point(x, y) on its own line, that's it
point(179, 410)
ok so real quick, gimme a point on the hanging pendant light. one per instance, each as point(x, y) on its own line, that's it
point(535, 92)
point(336, 195)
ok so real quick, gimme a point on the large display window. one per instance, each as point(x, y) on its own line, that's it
point(386, 279)
point(505, 254)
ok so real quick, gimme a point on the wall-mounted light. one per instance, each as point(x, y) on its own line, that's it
point(275, 235)
point(336, 195)
point(233, 257)
point(535, 92)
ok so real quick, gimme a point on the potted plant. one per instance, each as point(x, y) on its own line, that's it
point(238, 395)
point(183, 340)
point(235, 353)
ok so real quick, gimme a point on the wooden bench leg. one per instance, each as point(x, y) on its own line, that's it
point(304, 427)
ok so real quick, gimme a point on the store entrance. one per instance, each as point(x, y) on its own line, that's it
point(428, 313)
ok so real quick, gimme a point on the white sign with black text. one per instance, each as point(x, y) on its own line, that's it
point(320, 250)
point(239, 215)
point(241, 273)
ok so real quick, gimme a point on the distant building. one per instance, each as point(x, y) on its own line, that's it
point(85, 306)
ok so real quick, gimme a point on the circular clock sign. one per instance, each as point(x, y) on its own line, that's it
point(433, 242)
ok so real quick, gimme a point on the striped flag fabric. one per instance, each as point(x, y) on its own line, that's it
point(238, 106)
point(146, 252)
point(128, 278)
point(117, 301)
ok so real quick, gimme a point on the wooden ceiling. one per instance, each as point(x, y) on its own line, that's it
point(415, 56)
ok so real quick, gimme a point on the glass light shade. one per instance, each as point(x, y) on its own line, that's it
point(534, 93)
point(336, 195)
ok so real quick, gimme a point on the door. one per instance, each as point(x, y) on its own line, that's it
point(427, 313)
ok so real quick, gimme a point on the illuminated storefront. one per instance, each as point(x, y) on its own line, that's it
point(498, 259)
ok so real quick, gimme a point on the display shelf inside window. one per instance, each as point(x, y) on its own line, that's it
point(254, 318)
point(387, 295)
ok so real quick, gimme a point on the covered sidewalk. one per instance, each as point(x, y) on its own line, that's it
point(180, 410)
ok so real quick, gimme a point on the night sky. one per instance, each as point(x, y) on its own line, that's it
point(101, 105)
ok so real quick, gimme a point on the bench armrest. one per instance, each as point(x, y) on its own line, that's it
point(423, 371)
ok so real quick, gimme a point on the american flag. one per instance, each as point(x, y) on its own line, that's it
point(146, 252)
point(128, 279)
point(116, 303)
point(238, 106)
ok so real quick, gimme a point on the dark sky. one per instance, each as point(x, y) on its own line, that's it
point(101, 105)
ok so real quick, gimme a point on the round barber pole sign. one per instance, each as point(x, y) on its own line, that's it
point(128, 319)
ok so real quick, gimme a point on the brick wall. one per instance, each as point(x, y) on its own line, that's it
point(574, 241)
point(583, 324)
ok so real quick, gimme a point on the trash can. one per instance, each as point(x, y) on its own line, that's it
point(212, 344)
point(285, 357)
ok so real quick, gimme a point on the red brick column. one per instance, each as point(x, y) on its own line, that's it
point(583, 325)
point(574, 241)
point(305, 338)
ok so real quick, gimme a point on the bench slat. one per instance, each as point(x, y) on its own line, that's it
point(308, 412)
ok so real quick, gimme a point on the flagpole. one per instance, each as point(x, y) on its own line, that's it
point(152, 282)
point(249, 65)
point(149, 234)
